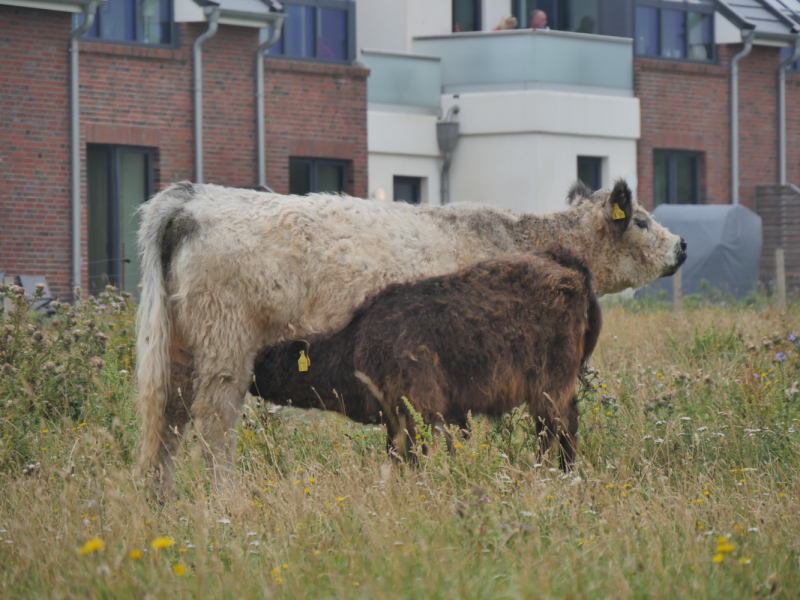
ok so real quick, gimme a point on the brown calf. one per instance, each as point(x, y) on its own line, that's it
point(485, 339)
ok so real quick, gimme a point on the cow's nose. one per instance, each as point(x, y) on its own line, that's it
point(683, 245)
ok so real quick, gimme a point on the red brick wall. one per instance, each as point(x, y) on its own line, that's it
point(793, 128)
point(35, 217)
point(143, 96)
point(687, 107)
point(328, 122)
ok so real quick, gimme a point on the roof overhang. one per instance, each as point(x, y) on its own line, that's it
point(241, 13)
point(772, 24)
point(70, 6)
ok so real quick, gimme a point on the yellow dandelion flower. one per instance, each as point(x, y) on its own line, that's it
point(178, 569)
point(307, 491)
point(296, 482)
point(183, 550)
point(285, 566)
point(457, 446)
point(316, 552)
point(92, 545)
point(356, 584)
point(279, 580)
point(275, 571)
point(718, 558)
point(608, 414)
point(135, 554)
point(725, 548)
point(310, 480)
point(340, 499)
point(609, 486)
point(744, 561)
point(161, 542)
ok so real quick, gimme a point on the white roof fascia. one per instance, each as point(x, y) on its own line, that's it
point(70, 6)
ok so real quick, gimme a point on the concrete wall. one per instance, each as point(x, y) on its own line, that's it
point(519, 150)
point(405, 145)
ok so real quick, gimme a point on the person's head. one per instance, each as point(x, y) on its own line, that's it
point(507, 22)
point(538, 19)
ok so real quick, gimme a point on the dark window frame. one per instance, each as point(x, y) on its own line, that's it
point(705, 9)
point(477, 6)
point(349, 6)
point(313, 171)
point(414, 182)
point(672, 174)
point(77, 20)
point(596, 166)
point(114, 218)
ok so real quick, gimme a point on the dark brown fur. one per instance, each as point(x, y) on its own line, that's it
point(485, 339)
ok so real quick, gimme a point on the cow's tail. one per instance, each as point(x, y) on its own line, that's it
point(153, 317)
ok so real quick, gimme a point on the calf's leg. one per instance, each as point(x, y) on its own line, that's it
point(567, 436)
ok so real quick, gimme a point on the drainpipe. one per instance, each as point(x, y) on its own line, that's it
point(782, 110)
point(213, 17)
point(748, 46)
point(89, 12)
point(447, 136)
point(274, 36)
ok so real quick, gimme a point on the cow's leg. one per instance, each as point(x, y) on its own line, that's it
point(545, 436)
point(215, 411)
point(568, 434)
point(439, 426)
point(176, 417)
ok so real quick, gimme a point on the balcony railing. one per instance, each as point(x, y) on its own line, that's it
point(404, 82)
point(525, 59)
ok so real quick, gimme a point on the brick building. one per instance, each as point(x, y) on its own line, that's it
point(684, 84)
point(137, 123)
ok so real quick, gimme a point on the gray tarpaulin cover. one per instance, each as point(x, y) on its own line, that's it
point(723, 247)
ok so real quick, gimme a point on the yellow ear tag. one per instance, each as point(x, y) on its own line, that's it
point(303, 362)
point(618, 213)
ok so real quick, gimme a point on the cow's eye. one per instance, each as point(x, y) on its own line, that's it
point(640, 223)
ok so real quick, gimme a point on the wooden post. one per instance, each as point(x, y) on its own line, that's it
point(780, 279)
point(676, 292)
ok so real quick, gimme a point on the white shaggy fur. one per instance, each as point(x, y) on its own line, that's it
point(247, 269)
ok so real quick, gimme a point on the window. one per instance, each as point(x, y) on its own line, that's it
point(786, 53)
point(310, 175)
point(118, 180)
point(590, 169)
point(136, 21)
point(563, 15)
point(676, 177)
point(466, 15)
point(317, 30)
point(407, 189)
point(667, 30)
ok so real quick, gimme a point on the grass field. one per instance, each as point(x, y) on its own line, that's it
point(686, 484)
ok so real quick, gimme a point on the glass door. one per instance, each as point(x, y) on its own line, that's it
point(119, 180)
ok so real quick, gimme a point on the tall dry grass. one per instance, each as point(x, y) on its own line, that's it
point(686, 484)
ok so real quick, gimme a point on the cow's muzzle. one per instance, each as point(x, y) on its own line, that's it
point(680, 258)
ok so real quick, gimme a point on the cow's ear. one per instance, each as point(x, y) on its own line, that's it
point(619, 206)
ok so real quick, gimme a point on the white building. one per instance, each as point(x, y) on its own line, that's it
point(535, 106)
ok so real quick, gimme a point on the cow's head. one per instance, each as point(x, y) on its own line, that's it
point(629, 248)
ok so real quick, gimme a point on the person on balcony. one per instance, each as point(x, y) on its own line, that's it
point(538, 19)
point(506, 22)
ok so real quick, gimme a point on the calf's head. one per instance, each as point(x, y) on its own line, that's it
point(277, 368)
point(628, 247)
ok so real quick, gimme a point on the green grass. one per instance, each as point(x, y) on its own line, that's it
point(690, 432)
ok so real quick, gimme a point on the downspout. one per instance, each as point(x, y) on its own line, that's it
point(89, 12)
point(197, 54)
point(782, 110)
point(447, 136)
point(748, 46)
point(274, 36)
